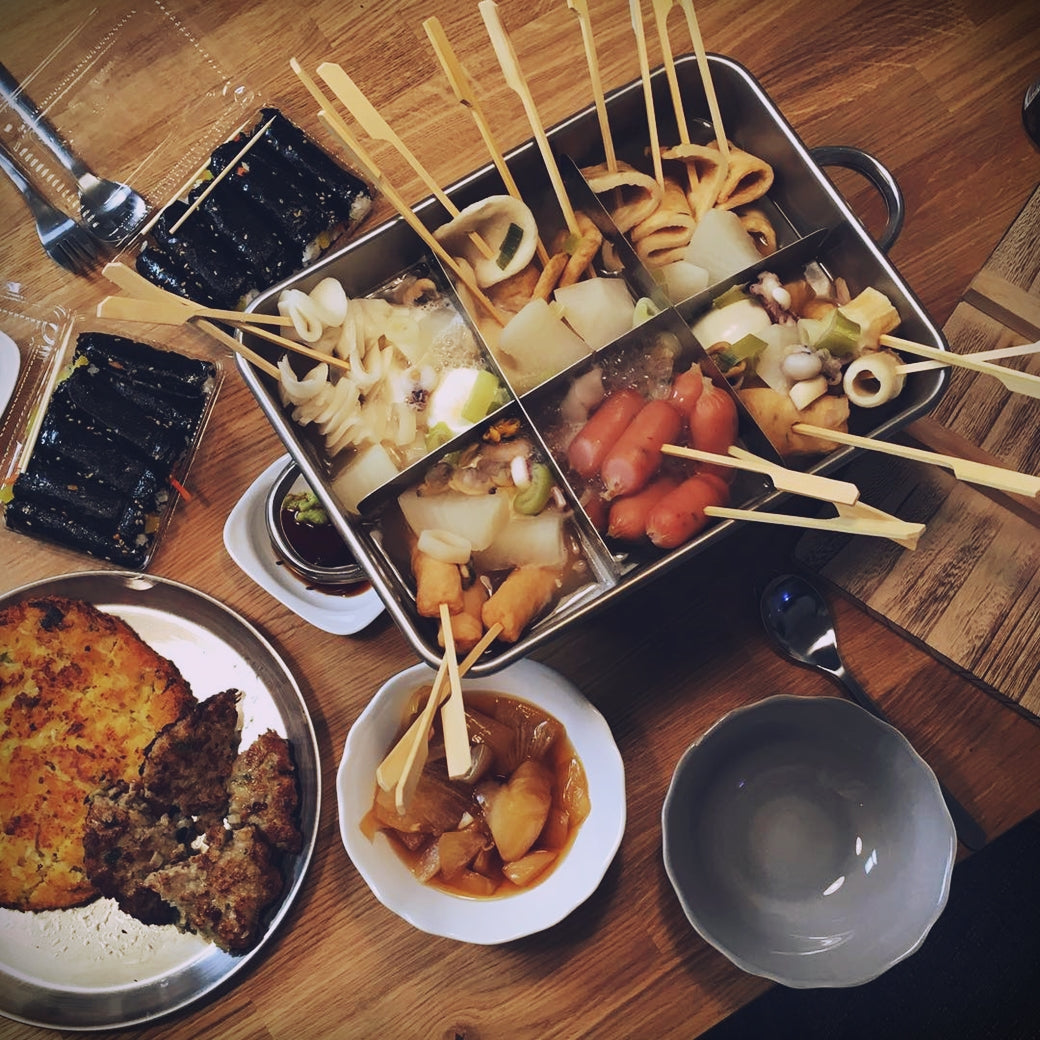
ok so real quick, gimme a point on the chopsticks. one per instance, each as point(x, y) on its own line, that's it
point(514, 77)
point(964, 469)
point(336, 126)
point(397, 770)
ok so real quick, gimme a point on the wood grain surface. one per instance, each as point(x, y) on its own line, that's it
point(935, 92)
point(971, 592)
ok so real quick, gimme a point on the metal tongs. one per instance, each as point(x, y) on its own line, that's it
point(113, 211)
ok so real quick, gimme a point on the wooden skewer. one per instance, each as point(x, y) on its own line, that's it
point(239, 348)
point(170, 312)
point(862, 509)
point(1018, 382)
point(581, 9)
point(462, 85)
point(857, 523)
point(351, 96)
point(127, 279)
point(339, 129)
point(648, 93)
point(296, 348)
point(825, 489)
point(709, 87)
point(453, 711)
point(964, 469)
point(419, 748)
point(204, 194)
point(507, 59)
point(661, 11)
point(979, 355)
point(391, 769)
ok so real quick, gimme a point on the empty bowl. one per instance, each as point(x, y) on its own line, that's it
point(499, 918)
point(808, 842)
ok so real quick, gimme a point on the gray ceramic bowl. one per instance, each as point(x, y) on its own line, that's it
point(808, 842)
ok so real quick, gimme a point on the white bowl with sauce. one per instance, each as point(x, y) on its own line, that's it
point(499, 918)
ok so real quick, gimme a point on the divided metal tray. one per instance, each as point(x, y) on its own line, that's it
point(813, 222)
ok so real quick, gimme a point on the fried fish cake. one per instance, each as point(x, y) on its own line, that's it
point(81, 698)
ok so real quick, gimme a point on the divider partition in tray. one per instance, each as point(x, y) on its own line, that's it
point(813, 222)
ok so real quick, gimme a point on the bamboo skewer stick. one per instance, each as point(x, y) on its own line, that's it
point(869, 512)
point(239, 348)
point(825, 489)
point(339, 129)
point(453, 712)
point(964, 469)
point(379, 129)
point(648, 93)
point(205, 193)
point(419, 748)
point(1018, 382)
point(709, 88)
point(848, 523)
point(171, 312)
point(462, 85)
point(391, 769)
point(661, 11)
point(998, 354)
point(581, 9)
point(510, 65)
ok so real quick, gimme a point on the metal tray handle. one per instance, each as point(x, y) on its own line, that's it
point(867, 165)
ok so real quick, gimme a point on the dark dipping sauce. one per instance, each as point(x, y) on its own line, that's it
point(506, 829)
point(318, 544)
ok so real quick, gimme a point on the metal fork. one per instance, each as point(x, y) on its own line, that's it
point(64, 240)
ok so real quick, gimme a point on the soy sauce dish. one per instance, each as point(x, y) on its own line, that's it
point(305, 539)
point(808, 842)
point(509, 913)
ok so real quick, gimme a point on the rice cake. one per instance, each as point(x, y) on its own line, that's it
point(81, 698)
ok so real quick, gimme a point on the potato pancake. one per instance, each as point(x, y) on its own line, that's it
point(81, 698)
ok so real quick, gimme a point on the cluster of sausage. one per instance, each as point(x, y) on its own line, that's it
point(620, 446)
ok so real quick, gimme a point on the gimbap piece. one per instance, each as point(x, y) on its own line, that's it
point(165, 271)
point(56, 526)
point(147, 365)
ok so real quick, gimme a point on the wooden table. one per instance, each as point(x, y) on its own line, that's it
point(935, 93)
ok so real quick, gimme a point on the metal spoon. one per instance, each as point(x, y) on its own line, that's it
point(795, 614)
point(113, 211)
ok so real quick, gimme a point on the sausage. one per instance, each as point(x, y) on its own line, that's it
point(628, 514)
point(713, 427)
point(678, 516)
point(592, 442)
point(687, 388)
point(636, 455)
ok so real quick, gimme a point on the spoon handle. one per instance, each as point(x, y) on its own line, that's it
point(968, 829)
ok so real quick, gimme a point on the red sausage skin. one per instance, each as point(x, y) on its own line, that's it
point(628, 514)
point(678, 516)
point(636, 454)
point(592, 442)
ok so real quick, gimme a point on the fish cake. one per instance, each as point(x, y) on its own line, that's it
point(81, 698)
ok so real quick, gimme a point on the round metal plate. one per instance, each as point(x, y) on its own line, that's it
point(94, 967)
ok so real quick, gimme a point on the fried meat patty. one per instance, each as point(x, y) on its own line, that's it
point(81, 698)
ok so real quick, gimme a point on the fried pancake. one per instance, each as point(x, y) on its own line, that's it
point(263, 792)
point(223, 892)
point(81, 698)
point(188, 764)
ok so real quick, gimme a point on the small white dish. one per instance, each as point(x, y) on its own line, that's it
point(247, 543)
point(808, 842)
point(10, 366)
point(498, 919)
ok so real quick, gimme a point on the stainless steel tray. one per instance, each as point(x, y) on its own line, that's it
point(802, 201)
point(93, 967)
